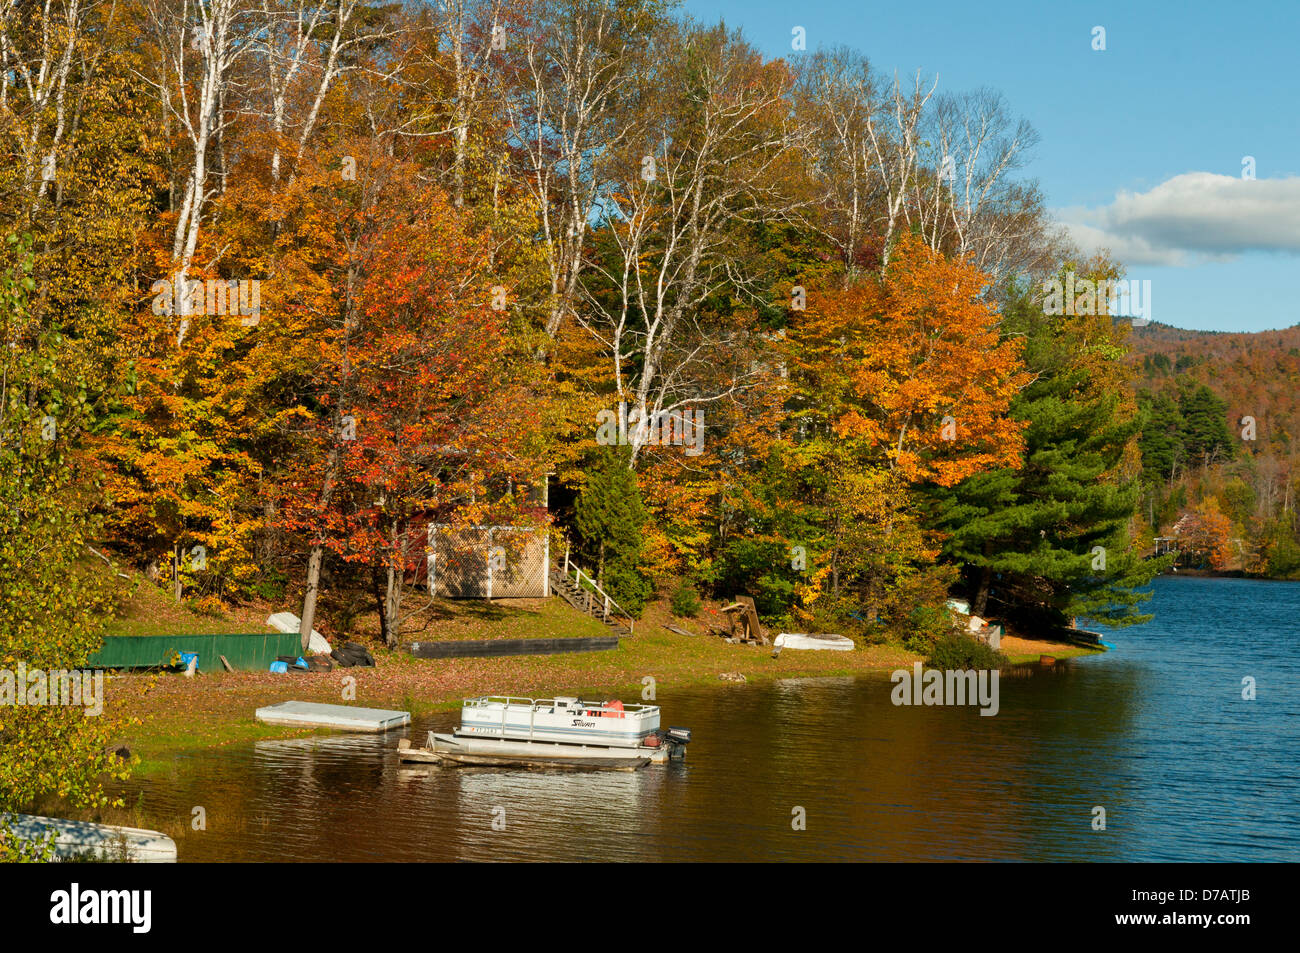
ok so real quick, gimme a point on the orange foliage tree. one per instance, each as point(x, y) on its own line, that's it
point(1207, 534)
point(911, 370)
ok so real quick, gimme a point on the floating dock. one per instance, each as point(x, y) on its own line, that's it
point(83, 840)
point(339, 717)
point(494, 648)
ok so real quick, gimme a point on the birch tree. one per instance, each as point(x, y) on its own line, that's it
point(714, 163)
point(975, 207)
point(571, 113)
point(201, 41)
point(837, 98)
point(38, 46)
point(307, 45)
point(869, 140)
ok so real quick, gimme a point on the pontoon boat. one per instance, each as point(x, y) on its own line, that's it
point(551, 732)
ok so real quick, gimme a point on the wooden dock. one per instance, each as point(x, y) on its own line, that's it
point(494, 648)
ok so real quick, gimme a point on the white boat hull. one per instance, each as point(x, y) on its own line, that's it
point(559, 720)
point(552, 732)
point(795, 640)
point(469, 750)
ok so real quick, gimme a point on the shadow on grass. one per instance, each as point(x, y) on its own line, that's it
point(480, 610)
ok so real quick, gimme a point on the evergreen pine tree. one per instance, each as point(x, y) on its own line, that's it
point(1205, 427)
point(609, 517)
point(1049, 541)
point(1163, 440)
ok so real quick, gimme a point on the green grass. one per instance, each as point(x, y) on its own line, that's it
point(143, 608)
point(1063, 651)
point(476, 619)
point(156, 751)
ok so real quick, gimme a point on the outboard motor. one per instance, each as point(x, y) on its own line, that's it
point(677, 739)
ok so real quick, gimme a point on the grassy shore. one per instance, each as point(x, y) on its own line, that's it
point(177, 715)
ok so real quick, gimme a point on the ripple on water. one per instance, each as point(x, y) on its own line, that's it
point(1156, 732)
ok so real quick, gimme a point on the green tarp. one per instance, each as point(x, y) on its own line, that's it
point(249, 652)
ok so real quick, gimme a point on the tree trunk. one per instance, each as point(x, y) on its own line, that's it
point(393, 595)
point(982, 592)
point(309, 598)
point(381, 607)
point(318, 548)
point(176, 572)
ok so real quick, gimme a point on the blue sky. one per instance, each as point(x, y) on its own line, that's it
point(1142, 143)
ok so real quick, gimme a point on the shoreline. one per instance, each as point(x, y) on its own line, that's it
point(1222, 574)
point(179, 716)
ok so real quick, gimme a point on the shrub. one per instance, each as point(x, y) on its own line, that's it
point(630, 589)
point(210, 606)
point(959, 651)
point(271, 586)
point(685, 601)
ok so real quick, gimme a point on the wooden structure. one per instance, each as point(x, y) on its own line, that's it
point(580, 590)
point(495, 648)
point(488, 562)
point(491, 562)
point(245, 652)
point(743, 624)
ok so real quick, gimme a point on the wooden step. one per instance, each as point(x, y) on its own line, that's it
point(576, 597)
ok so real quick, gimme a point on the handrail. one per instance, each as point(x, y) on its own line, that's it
point(609, 601)
point(535, 703)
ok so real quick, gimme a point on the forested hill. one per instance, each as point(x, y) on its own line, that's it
point(1256, 374)
point(1220, 438)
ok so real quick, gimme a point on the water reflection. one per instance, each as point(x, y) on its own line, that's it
point(1155, 732)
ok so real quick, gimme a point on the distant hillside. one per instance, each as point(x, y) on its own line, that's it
point(1257, 374)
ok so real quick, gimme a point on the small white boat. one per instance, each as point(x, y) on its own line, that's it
point(552, 732)
point(796, 640)
point(82, 840)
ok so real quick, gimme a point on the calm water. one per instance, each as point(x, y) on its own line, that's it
point(1156, 732)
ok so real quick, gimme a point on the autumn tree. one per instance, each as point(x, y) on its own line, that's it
point(911, 370)
point(1048, 539)
point(416, 399)
point(52, 602)
point(1206, 536)
point(895, 382)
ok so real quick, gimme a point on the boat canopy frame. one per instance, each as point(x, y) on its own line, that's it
point(636, 715)
point(535, 704)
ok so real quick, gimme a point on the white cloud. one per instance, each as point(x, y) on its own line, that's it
point(1191, 218)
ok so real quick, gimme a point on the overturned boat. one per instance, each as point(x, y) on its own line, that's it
point(552, 732)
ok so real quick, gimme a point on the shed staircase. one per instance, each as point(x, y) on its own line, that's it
point(580, 591)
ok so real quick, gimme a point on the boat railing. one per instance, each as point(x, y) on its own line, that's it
point(507, 701)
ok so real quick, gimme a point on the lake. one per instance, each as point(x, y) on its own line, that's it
point(1156, 732)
